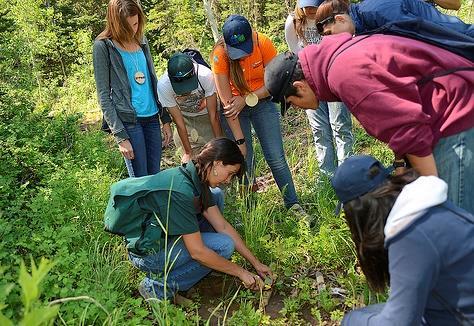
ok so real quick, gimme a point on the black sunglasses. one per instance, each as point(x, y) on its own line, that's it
point(328, 20)
point(186, 76)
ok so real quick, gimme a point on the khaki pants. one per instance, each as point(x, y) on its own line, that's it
point(199, 126)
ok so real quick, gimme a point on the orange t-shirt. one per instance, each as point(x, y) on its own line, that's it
point(252, 65)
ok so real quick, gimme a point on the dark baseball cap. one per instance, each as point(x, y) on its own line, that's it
point(182, 73)
point(237, 36)
point(353, 179)
point(278, 74)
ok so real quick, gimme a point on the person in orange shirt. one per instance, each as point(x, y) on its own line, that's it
point(238, 62)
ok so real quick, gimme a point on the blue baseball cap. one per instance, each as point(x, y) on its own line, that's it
point(353, 179)
point(309, 3)
point(237, 36)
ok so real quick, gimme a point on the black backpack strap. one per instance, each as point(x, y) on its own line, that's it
point(342, 49)
point(441, 73)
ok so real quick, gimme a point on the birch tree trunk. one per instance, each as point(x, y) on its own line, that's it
point(211, 18)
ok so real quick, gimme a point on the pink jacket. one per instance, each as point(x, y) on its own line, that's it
point(376, 77)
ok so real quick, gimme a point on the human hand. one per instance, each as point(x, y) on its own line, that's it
point(167, 134)
point(263, 270)
point(234, 106)
point(251, 281)
point(125, 147)
point(186, 158)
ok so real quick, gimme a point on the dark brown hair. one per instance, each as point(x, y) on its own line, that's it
point(366, 217)
point(117, 27)
point(297, 75)
point(218, 149)
point(330, 7)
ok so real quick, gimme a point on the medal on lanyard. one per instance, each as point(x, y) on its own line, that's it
point(251, 99)
point(139, 75)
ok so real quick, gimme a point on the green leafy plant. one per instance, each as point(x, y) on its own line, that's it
point(33, 312)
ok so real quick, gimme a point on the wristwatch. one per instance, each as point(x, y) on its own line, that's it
point(240, 141)
point(251, 99)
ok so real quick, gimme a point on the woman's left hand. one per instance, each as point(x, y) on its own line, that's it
point(167, 134)
point(234, 106)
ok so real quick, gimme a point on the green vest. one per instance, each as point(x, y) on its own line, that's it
point(142, 209)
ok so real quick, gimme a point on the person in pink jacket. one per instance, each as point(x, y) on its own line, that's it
point(414, 96)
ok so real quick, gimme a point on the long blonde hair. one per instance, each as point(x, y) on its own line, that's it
point(236, 74)
point(117, 27)
point(299, 21)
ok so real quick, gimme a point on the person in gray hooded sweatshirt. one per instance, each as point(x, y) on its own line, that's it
point(407, 235)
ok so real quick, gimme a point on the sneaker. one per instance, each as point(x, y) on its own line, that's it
point(300, 213)
point(144, 292)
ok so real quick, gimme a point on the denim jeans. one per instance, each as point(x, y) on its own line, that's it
point(265, 119)
point(331, 125)
point(185, 272)
point(145, 137)
point(454, 158)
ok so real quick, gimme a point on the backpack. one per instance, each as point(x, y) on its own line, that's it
point(197, 57)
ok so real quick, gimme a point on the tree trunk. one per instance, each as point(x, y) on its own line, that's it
point(211, 18)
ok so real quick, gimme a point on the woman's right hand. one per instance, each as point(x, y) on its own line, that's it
point(251, 281)
point(125, 147)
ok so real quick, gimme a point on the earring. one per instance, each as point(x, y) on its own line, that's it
point(214, 172)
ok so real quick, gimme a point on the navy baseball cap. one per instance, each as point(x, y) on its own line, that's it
point(277, 78)
point(309, 3)
point(237, 36)
point(353, 179)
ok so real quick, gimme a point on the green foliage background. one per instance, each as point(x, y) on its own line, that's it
point(56, 167)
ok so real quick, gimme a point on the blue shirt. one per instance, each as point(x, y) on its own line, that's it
point(142, 95)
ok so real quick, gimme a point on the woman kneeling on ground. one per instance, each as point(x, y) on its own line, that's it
point(408, 235)
point(173, 228)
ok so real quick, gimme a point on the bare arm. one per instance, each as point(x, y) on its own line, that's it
point(225, 94)
point(209, 258)
point(214, 216)
point(449, 4)
point(213, 117)
point(182, 132)
point(424, 165)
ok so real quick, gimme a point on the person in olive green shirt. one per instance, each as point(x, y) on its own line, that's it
point(176, 206)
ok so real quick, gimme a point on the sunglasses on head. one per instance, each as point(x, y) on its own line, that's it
point(183, 77)
point(328, 20)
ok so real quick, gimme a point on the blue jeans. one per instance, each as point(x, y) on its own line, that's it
point(454, 158)
point(331, 125)
point(185, 272)
point(265, 119)
point(145, 137)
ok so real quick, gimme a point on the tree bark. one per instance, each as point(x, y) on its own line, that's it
point(211, 18)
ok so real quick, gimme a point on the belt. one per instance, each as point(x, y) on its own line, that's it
point(148, 119)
